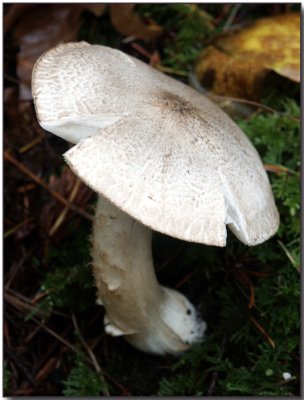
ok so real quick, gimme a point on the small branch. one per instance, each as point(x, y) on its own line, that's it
point(184, 280)
point(170, 70)
point(264, 333)
point(56, 335)
point(11, 78)
point(17, 227)
point(40, 182)
point(230, 19)
point(87, 348)
point(33, 143)
point(94, 362)
point(258, 105)
point(252, 297)
point(214, 375)
point(46, 369)
point(289, 256)
point(24, 306)
point(64, 212)
point(279, 169)
point(21, 367)
point(89, 351)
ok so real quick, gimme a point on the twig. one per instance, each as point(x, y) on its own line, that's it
point(24, 392)
point(15, 268)
point(40, 182)
point(231, 17)
point(258, 274)
point(170, 70)
point(56, 335)
point(89, 351)
point(264, 333)
point(18, 303)
point(94, 362)
point(289, 256)
point(259, 105)
point(173, 257)
point(64, 212)
point(6, 333)
point(11, 78)
point(22, 368)
point(33, 143)
point(87, 348)
point(278, 169)
point(125, 392)
point(220, 99)
point(214, 375)
point(16, 227)
point(51, 348)
point(26, 188)
point(252, 297)
point(245, 294)
point(32, 334)
point(23, 304)
point(141, 50)
point(48, 367)
point(185, 279)
point(18, 295)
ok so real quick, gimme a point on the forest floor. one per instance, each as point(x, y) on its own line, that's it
point(54, 340)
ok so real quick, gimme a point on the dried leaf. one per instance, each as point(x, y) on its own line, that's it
point(127, 22)
point(13, 13)
point(273, 43)
point(96, 9)
point(237, 64)
point(225, 76)
point(10, 97)
point(38, 27)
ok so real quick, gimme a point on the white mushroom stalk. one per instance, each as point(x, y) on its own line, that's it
point(165, 156)
point(153, 318)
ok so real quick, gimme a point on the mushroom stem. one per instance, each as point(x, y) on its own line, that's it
point(153, 318)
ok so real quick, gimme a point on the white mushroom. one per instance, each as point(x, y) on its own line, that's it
point(165, 157)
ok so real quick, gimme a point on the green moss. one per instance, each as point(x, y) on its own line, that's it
point(185, 27)
point(83, 381)
point(6, 379)
point(69, 282)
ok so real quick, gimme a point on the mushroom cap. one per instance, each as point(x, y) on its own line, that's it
point(153, 146)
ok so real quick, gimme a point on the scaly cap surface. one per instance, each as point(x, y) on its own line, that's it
point(153, 146)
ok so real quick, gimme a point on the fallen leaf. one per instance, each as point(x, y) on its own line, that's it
point(12, 13)
point(225, 76)
point(126, 21)
point(38, 27)
point(237, 64)
point(272, 42)
point(10, 97)
point(97, 9)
